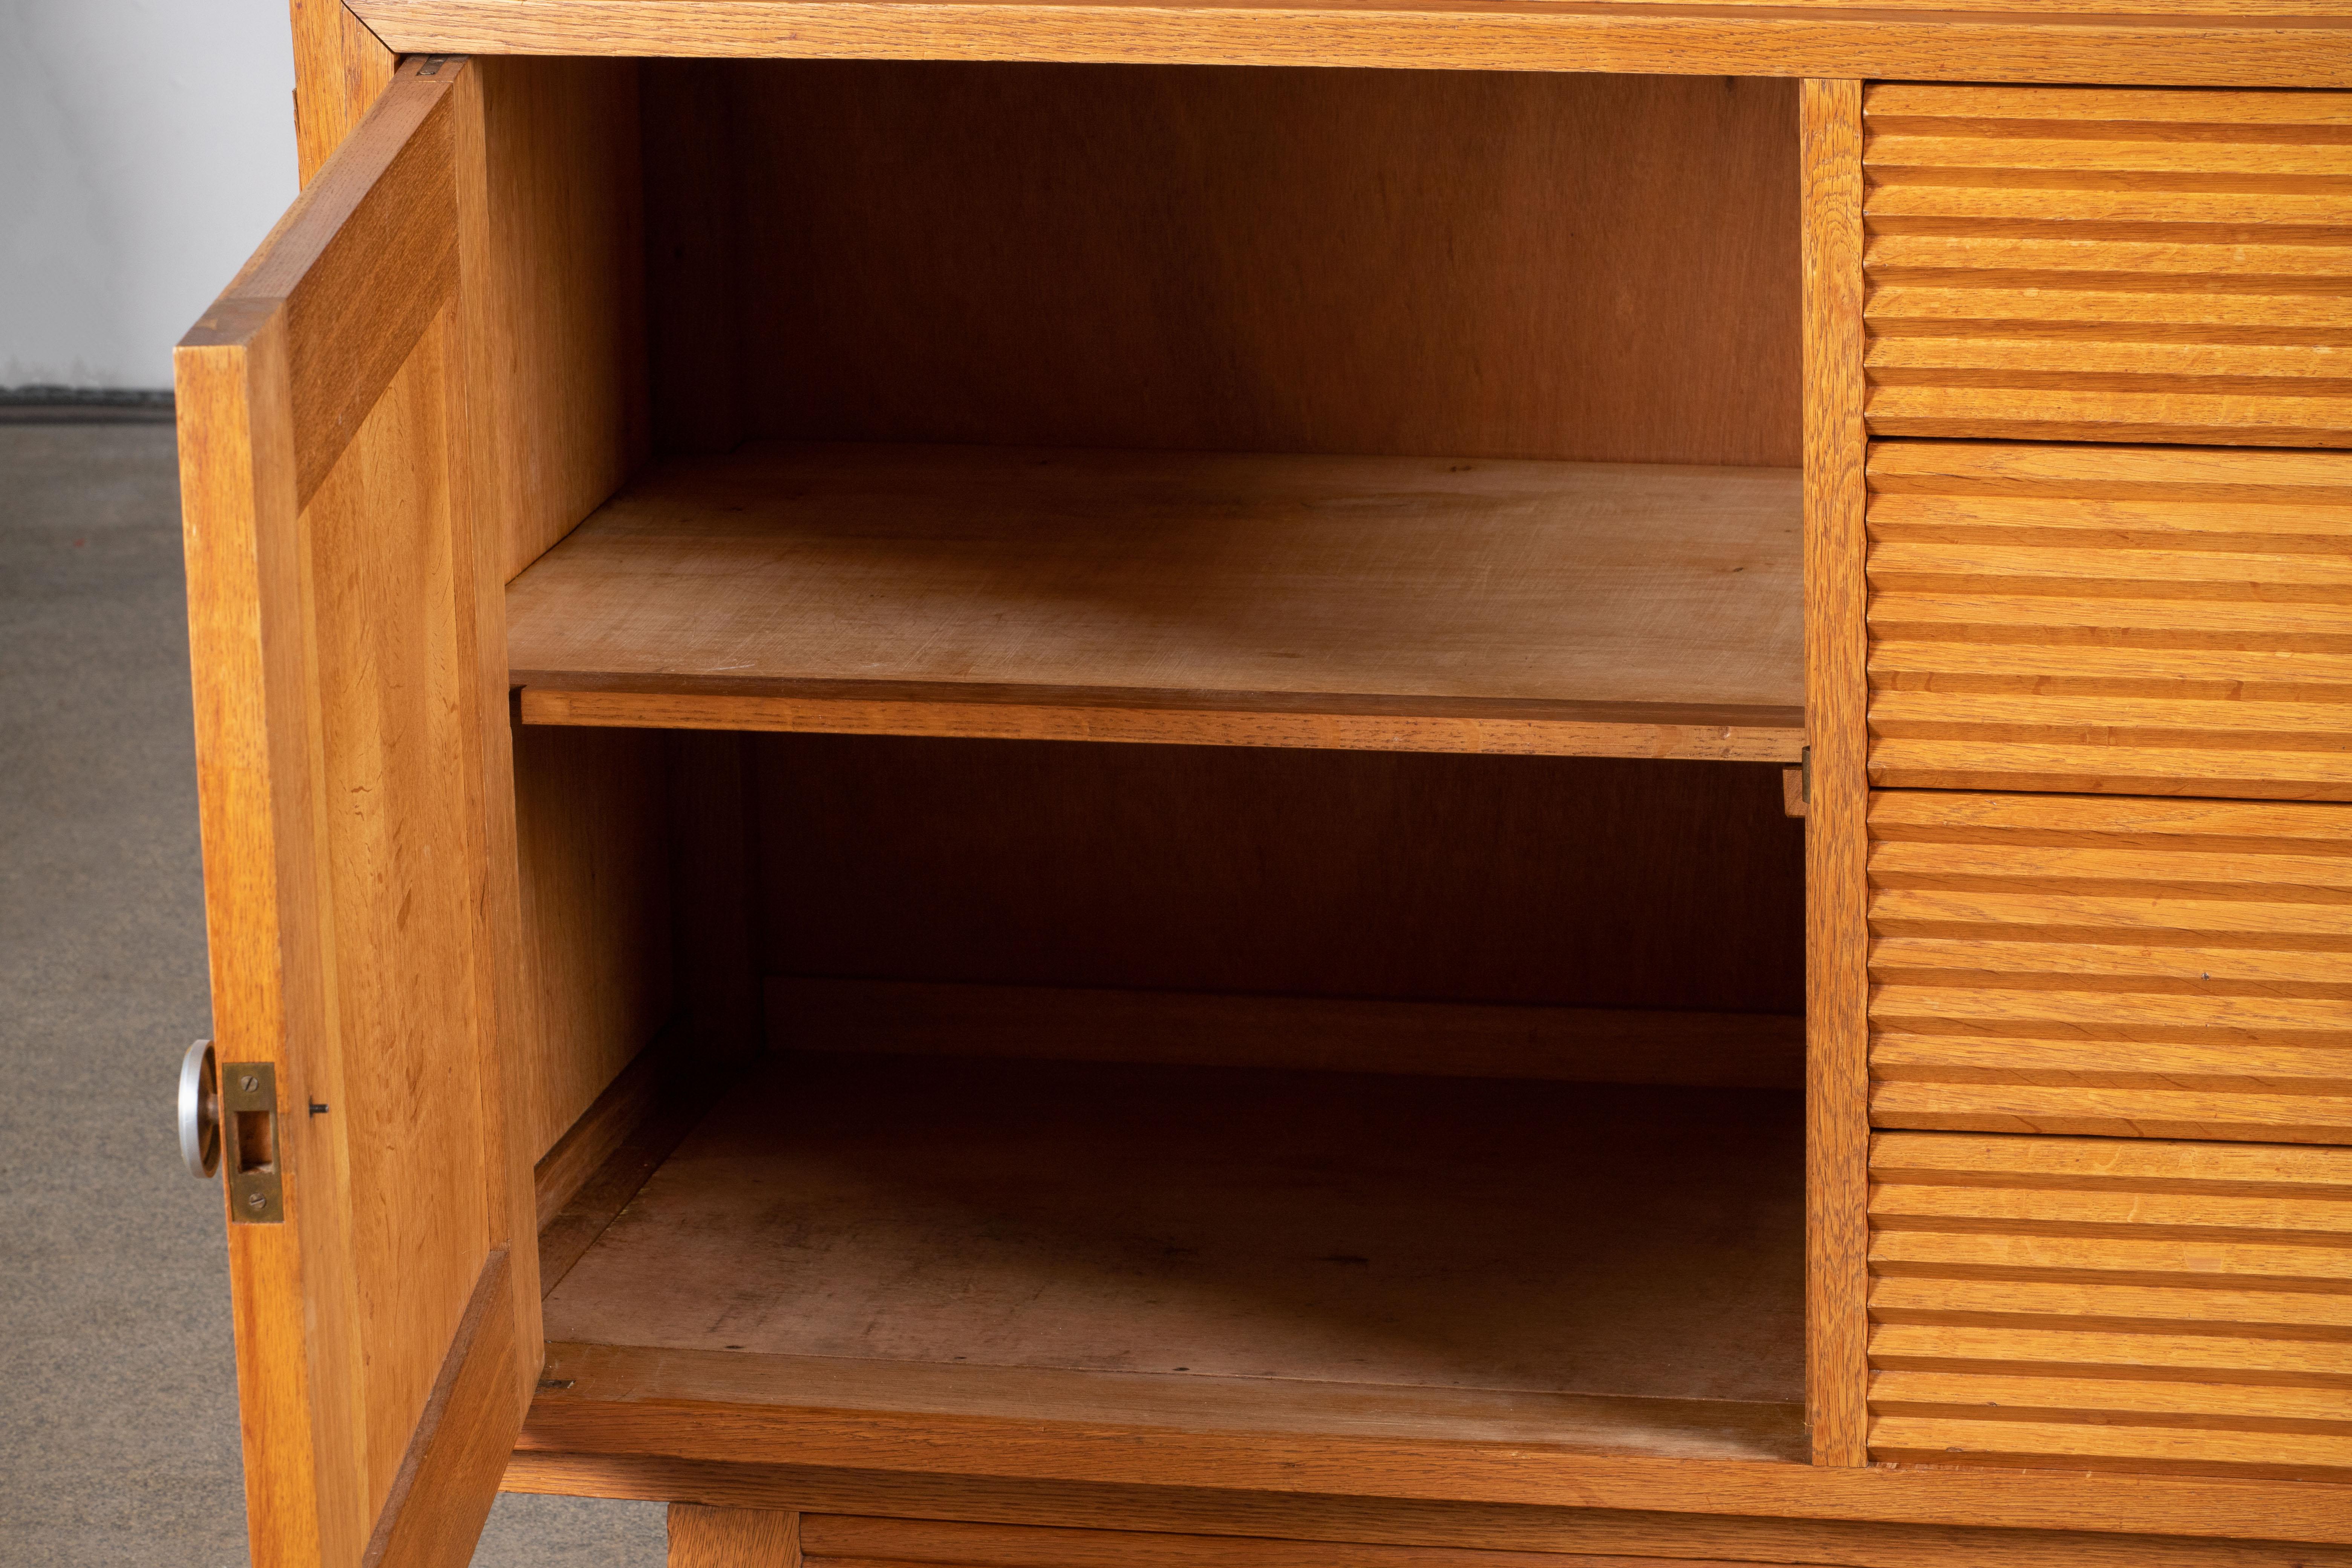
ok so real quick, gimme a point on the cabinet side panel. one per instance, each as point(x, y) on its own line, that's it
point(1835, 984)
point(591, 817)
point(339, 67)
point(557, 274)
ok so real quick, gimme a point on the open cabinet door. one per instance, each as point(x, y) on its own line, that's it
point(355, 771)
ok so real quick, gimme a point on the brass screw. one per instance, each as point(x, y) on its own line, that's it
point(256, 1201)
point(248, 1083)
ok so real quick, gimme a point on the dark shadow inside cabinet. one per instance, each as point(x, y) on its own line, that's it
point(1325, 1080)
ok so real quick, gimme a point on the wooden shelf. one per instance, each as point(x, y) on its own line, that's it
point(1225, 599)
point(951, 1254)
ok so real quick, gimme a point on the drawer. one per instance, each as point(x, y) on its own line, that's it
point(2138, 265)
point(2152, 968)
point(2105, 619)
point(2111, 1304)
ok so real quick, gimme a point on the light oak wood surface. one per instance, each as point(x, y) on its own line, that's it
point(1837, 1029)
point(1574, 266)
point(2161, 968)
point(354, 789)
point(1195, 1234)
point(1574, 882)
point(2102, 265)
point(2075, 1521)
point(2111, 1304)
point(1458, 1040)
point(2128, 620)
point(2156, 44)
point(437, 1504)
point(703, 1537)
point(341, 68)
point(1388, 601)
point(836, 1540)
point(590, 810)
point(555, 269)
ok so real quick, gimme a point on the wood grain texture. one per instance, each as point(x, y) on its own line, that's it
point(1546, 881)
point(739, 1409)
point(845, 1540)
point(2150, 44)
point(352, 780)
point(1341, 262)
point(1728, 1050)
point(694, 305)
point(2112, 1305)
point(876, 1413)
point(556, 285)
point(632, 1099)
point(703, 1537)
point(1771, 1535)
point(651, 1115)
point(340, 69)
point(591, 808)
point(1205, 1237)
point(2111, 619)
point(868, 573)
point(1469, 727)
point(449, 1476)
point(1835, 986)
point(262, 917)
point(2125, 968)
point(361, 266)
point(2103, 264)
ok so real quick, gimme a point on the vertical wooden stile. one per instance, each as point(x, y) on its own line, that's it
point(1836, 698)
point(340, 69)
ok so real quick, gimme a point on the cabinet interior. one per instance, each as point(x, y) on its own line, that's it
point(1299, 1080)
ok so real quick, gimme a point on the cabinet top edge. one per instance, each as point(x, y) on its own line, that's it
point(2175, 43)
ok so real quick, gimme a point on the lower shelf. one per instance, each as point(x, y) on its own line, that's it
point(967, 1256)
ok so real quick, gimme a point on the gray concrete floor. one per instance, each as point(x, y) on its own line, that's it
point(117, 1425)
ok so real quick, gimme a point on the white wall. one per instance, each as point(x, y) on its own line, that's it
point(145, 148)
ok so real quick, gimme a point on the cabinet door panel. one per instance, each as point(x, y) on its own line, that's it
point(2095, 965)
point(356, 797)
point(2077, 264)
point(2111, 1304)
point(2110, 619)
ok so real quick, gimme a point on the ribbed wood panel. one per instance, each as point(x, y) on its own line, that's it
point(2128, 620)
point(2129, 968)
point(2110, 264)
point(2111, 1305)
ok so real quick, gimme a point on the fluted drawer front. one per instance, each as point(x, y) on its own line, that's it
point(2130, 620)
point(2125, 968)
point(2107, 1304)
point(2109, 264)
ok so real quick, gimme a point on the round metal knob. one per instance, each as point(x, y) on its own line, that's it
point(200, 1126)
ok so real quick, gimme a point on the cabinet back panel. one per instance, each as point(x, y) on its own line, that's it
point(1568, 881)
point(1419, 263)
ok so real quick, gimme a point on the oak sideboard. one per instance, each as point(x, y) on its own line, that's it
point(1289, 784)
